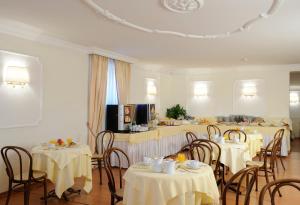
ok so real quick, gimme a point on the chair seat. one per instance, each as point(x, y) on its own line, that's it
point(97, 156)
point(37, 175)
point(260, 164)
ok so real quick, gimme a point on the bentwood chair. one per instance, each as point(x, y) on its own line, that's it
point(278, 135)
point(213, 130)
point(218, 168)
point(18, 162)
point(120, 162)
point(190, 136)
point(246, 176)
point(275, 186)
point(232, 133)
point(186, 150)
point(104, 140)
point(266, 167)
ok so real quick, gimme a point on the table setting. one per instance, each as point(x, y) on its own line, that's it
point(63, 161)
point(166, 181)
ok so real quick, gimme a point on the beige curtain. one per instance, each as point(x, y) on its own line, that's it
point(97, 98)
point(123, 71)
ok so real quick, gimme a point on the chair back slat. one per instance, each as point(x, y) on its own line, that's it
point(232, 133)
point(17, 160)
point(275, 186)
point(215, 152)
point(119, 157)
point(190, 136)
point(105, 140)
point(249, 175)
point(213, 130)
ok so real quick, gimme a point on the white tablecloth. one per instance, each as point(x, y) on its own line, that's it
point(63, 165)
point(143, 187)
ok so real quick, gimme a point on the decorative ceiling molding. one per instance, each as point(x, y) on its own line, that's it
point(183, 6)
point(24, 31)
point(246, 26)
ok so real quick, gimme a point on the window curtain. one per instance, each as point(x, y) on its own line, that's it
point(123, 71)
point(97, 96)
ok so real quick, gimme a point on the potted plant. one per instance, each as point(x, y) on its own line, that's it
point(176, 112)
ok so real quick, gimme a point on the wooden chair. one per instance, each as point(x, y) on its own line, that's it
point(275, 186)
point(215, 162)
point(234, 132)
point(278, 135)
point(120, 156)
point(105, 140)
point(237, 180)
point(267, 165)
point(190, 136)
point(20, 172)
point(186, 150)
point(213, 130)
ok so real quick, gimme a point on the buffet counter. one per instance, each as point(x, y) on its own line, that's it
point(166, 140)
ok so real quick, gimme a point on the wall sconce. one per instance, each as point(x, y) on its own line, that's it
point(16, 76)
point(249, 90)
point(151, 88)
point(294, 98)
point(200, 90)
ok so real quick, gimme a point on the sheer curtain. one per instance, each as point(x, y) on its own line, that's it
point(111, 90)
point(123, 71)
point(97, 96)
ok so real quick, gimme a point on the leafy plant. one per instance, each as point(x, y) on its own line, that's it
point(176, 111)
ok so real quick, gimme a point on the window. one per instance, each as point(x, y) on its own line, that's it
point(111, 89)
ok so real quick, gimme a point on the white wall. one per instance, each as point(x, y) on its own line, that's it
point(65, 81)
point(224, 97)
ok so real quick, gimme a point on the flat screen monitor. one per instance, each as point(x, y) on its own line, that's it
point(142, 114)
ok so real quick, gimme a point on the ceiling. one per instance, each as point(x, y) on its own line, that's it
point(271, 41)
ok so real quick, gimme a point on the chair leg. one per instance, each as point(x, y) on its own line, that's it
point(112, 200)
point(8, 193)
point(100, 170)
point(26, 194)
point(274, 178)
point(267, 180)
point(45, 191)
point(282, 163)
point(256, 182)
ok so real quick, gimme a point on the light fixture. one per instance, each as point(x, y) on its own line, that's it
point(151, 88)
point(249, 90)
point(200, 89)
point(16, 76)
point(294, 98)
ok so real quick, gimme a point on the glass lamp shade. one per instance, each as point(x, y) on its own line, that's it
point(16, 76)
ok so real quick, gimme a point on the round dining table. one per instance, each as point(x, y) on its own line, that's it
point(63, 165)
point(184, 187)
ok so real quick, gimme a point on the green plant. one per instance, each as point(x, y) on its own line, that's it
point(176, 111)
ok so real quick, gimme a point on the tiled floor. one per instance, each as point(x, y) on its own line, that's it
point(100, 194)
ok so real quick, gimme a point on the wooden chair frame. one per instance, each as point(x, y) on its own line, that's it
point(213, 130)
point(98, 161)
point(115, 197)
point(240, 133)
point(275, 186)
point(24, 181)
point(244, 174)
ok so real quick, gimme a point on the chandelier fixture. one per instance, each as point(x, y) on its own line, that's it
point(185, 6)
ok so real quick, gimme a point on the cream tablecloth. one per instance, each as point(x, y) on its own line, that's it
point(234, 156)
point(143, 187)
point(63, 165)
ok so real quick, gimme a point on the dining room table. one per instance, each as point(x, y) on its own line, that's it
point(63, 164)
point(185, 186)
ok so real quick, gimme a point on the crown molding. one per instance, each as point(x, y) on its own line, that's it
point(24, 31)
point(98, 9)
